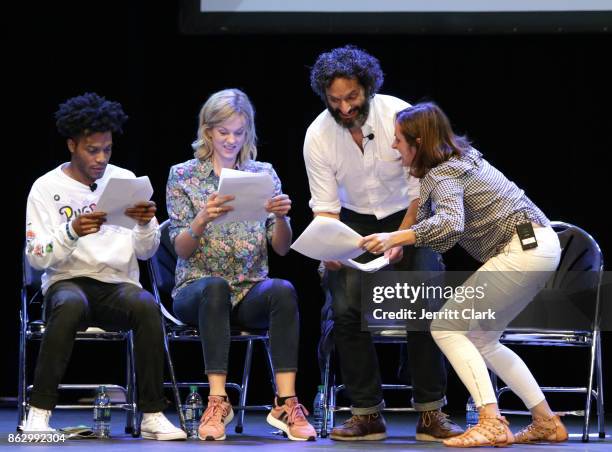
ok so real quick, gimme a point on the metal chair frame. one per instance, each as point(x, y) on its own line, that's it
point(584, 339)
point(34, 330)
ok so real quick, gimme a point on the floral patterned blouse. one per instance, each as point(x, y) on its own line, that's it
point(234, 251)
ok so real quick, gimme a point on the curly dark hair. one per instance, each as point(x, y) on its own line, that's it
point(87, 114)
point(348, 62)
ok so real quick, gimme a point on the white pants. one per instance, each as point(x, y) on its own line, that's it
point(518, 276)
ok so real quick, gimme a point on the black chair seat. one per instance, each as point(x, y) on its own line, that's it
point(547, 338)
point(36, 330)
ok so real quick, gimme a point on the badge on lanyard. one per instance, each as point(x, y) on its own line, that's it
point(526, 234)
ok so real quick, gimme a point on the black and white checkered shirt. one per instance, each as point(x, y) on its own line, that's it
point(465, 200)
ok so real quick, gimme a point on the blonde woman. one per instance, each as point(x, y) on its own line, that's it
point(222, 269)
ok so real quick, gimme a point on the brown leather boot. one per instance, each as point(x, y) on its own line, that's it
point(436, 426)
point(367, 427)
point(542, 429)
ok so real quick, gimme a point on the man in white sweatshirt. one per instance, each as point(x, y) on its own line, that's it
point(91, 275)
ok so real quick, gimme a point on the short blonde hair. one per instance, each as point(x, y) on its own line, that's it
point(218, 108)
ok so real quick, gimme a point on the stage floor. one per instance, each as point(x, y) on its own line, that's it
point(258, 435)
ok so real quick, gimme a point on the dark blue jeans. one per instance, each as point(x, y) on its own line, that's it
point(270, 304)
point(356, 352)
point(73, 305)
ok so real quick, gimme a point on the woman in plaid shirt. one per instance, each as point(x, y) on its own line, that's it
point(465, 200)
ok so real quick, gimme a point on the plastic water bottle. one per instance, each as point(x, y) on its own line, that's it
point(471, 413)
point(318, 410)
point(193, 411)
point(102, 414)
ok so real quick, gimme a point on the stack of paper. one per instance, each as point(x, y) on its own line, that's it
point(251, 190)
point(119, 194)
point(328, 239)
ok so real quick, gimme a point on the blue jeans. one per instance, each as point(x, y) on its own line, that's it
point(270, 304)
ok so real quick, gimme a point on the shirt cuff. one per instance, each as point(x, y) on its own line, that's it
point(318, 206)
point(151, 225)
point(418, 237)
point(70, 232)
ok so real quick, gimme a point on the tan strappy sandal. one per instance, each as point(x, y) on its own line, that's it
point(550, 430)
point(490, 431)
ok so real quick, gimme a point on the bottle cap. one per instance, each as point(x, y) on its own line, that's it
point(193, 388)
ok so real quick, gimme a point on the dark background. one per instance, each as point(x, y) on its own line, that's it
point(537, 106)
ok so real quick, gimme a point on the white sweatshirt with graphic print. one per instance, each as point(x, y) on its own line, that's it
point(109, 255)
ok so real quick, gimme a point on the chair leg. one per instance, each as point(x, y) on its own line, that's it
point(245, 384)
point(589, 393)
point(129, 416)
point(332, 392)
point(495, 384)
point(601, 419)
point(326, 376)
point(271, 372)
point(21, 392)
point(133, 415)
point(175, 391)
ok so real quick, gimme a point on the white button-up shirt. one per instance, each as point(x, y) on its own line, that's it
point(340, 175)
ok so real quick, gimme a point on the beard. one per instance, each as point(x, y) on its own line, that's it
point(363, 111)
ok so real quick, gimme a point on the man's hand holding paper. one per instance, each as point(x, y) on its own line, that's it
point(125, 201)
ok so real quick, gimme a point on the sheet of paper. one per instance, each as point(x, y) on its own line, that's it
point(251, 190)
point(119, 194)
point(369, 267)
point(328, 239)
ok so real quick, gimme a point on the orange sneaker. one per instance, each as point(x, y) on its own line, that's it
point(218, 414)
point(549, 430)
point(291, 419)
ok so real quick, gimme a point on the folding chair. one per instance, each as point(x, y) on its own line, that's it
point(162, 268)
point(580, 271)
point(34, 330)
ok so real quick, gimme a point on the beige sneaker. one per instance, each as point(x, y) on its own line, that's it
point(291, 419)
point(218, 414)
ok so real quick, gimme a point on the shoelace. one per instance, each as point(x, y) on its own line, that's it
point(355, 419)
point(428, 416)
point(297, 412)
point(351, 421)
point(161, 421)
point(215, 411)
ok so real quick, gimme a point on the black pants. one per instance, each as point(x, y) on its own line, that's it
point(357, 355)
point(75, 304)
point(270, 304)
